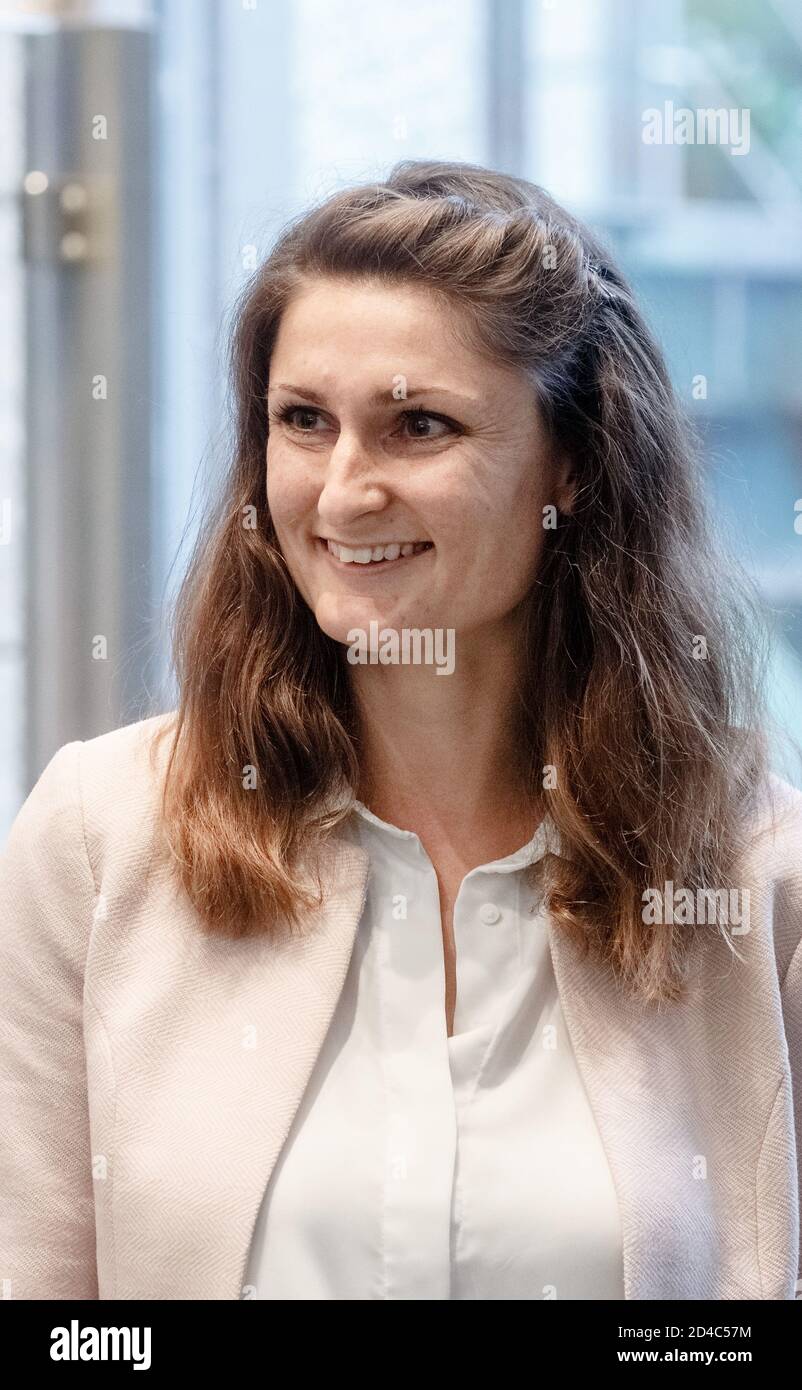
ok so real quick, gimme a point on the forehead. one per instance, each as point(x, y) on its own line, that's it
point(333, 329)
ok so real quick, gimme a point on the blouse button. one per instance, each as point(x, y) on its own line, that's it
point(489, 913)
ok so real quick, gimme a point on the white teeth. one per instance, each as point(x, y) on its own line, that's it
point(367, 555)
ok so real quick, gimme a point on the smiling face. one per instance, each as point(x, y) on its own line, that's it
point(406, 475)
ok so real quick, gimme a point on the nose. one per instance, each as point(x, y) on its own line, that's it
point(352, 484)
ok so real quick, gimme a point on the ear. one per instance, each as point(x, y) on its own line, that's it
point(565, 483)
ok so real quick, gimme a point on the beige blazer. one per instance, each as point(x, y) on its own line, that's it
point(149, 1074)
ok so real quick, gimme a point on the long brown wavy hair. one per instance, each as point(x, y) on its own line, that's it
point(659, 753)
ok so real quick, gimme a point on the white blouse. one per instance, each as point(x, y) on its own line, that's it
point(420, 1166)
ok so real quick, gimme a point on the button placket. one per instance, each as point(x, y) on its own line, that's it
point(486, 947)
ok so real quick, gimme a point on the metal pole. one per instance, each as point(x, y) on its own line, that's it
point(87, 219)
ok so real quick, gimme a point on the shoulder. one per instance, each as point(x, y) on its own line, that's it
point(120, 779)
point(94, 796)
point(121, 766)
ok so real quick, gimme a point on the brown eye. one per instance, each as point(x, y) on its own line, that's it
point(290, 412)
point(413, 418)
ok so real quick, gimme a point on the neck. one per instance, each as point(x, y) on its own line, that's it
point(441, 755)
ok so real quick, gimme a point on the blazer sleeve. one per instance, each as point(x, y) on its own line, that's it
point(47, 1221)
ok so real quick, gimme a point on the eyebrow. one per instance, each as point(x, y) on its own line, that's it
point(378, 397)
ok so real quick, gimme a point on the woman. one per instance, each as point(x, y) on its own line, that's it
point(369, 974)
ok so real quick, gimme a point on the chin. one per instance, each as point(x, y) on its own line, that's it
point(339, 614)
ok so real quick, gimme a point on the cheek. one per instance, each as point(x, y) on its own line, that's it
point(523, 521)
point(524, 530)
point(289, 494)
point(499, 552)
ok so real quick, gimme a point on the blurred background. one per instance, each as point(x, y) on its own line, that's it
point(151, 152)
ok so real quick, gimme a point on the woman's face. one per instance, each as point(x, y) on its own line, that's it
point(385, 430)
